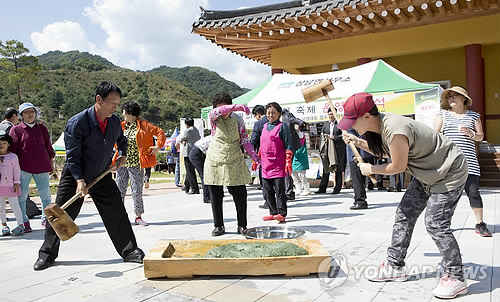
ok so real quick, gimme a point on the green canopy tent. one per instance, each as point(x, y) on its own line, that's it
point(59, 146)
point(393, 92)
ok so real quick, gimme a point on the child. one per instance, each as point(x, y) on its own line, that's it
point(10, 174)
point(300, 164)
point(276, 161)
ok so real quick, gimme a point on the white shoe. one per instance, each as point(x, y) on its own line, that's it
point(307, 190)
point(298, 188)
point(449, 288)
point(387, 272)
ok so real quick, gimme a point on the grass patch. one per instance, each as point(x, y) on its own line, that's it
point(165, 178)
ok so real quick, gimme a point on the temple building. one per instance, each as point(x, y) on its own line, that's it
point(450, 42)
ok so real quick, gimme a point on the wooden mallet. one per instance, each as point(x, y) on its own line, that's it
point(60, 221)
point(319, 90)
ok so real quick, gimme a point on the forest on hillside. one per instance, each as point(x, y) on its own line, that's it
point(65, 84)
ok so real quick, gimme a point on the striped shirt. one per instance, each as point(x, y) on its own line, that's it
point(463, 141)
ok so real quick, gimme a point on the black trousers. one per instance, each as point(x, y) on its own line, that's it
point(239, 194)
point(147, 174)
point(260, 178)
point(274, 194)
point(324, 182)
point(197, 158)
point(108, 202)
point(290, 194)
point(472, 191)
point(358, 183)
point(190, 182)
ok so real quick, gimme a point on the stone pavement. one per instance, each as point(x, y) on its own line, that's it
point(89, 269)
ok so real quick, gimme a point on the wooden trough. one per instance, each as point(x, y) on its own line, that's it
point(182, 259)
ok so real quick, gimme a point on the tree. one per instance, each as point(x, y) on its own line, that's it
point(56, 99)
point(19, 69)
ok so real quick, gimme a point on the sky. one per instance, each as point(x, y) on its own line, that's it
point(135, 34)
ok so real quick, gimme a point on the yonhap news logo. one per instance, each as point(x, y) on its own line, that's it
point(333, 271)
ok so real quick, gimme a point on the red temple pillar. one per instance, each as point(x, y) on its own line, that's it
point(474, 70)
point(362, 61)
point(276, 70)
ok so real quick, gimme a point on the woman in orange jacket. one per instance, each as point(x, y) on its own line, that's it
point(141, 153)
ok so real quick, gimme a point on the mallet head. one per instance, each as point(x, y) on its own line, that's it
point(317, 91)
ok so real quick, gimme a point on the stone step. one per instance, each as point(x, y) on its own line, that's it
point(489, 161)
point(482, 155)
point(489, 182)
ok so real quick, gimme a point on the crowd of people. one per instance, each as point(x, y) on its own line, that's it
point(388, 144)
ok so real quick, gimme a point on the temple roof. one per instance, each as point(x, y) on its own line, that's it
point(253, 32)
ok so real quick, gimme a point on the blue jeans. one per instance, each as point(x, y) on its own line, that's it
point(177, 171)
point(42, 184)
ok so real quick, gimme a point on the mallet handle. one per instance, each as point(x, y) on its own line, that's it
point(351, 144)
point(90, 185)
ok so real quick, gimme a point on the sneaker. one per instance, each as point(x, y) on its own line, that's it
point(139, 221)
point(27, 227)
point(18, 230)
point(387, 272)
point(279, 217)
point(44, 222)
point(449, 288)
point(5, 231)
point(268, 217)
point(482, 230)
point(304, 193)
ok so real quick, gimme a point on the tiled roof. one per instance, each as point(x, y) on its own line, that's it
point(268, 13)
point(253, 32)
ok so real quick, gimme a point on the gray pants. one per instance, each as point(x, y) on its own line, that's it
point(136, 181)
point(440, 209)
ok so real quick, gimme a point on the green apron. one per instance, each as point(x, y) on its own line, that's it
point(224, 164)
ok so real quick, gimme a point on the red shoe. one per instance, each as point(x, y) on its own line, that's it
point(27, 227)
point(268, 217)
point(279, 217)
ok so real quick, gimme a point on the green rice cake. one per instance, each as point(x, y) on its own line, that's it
point(256, 250)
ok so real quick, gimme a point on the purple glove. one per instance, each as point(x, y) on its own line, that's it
point(255, 158)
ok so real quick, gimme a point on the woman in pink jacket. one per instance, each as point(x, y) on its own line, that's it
point(9, 185)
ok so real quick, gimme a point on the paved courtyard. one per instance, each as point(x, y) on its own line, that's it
point(89, 269)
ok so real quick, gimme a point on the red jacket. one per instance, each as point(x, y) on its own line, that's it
point(144, 138)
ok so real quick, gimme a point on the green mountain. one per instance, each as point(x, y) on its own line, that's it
point(201, 80)
point(66, 85)
point(57, 59)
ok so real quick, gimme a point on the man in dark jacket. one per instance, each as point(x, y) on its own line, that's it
point(10, 120)
point(358, 179)
point(290, 120)
point(90, 137)
point(187, 138)
point(330, 131)
point(259, 113)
